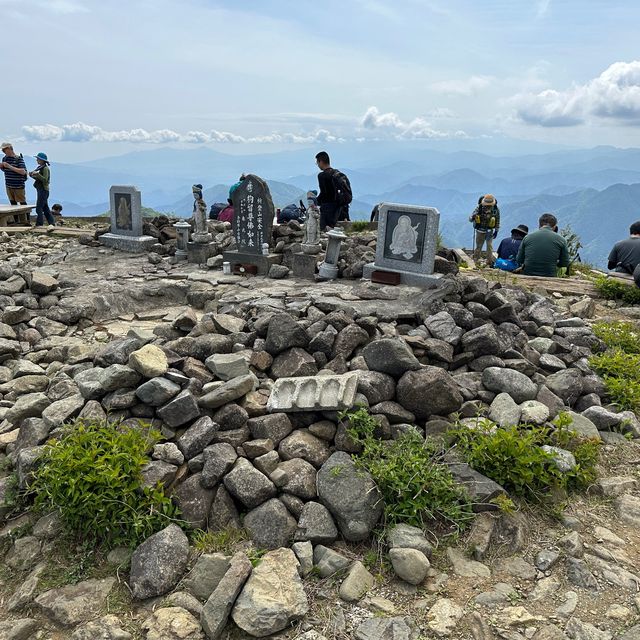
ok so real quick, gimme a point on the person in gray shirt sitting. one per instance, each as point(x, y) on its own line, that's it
point(625, 255)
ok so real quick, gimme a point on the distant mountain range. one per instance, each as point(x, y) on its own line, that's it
point(594, 190)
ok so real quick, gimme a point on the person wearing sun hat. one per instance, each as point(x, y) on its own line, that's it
point(41, 178)
point(486, 222)
point(15, 174)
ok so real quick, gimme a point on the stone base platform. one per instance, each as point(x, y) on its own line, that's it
point(426, 281)
point(263, 263)
point(134, 244)
point(199, 253)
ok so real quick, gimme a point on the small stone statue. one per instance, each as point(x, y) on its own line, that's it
point(311, 242)
point(201, 235)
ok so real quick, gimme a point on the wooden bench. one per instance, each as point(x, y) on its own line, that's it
point(15, 214)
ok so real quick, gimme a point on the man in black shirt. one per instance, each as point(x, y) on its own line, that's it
point(625, 255)
point(331, 210)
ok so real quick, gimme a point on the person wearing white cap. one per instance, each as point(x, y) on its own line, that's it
point(15, 174)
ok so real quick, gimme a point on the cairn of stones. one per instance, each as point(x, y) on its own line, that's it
point(248, 397)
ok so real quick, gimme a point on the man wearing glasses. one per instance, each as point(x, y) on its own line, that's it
point(15, 174)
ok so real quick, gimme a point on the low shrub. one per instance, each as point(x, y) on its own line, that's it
point(92, 476)
point(621, 374)
point(359, 225)
point(417, 488)
point(513, 457)
point(613, 289)
point(223, 541)
point(619, 335)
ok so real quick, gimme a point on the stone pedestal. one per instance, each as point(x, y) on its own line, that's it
point(199, 253)
point(304, 266)
point(263, 263)
point(329, 268)
point(426, 281)
point(134, 244)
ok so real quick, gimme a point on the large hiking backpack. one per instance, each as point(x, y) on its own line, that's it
point(483, 220)
point(342, 187)
point(291, 212)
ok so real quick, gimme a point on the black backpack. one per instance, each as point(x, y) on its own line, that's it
point(342, 187)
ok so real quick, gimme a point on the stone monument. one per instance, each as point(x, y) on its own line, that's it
point(126, 221)
point(200, 249)
point(304, 263)
point(406, 248)
point(252, 222)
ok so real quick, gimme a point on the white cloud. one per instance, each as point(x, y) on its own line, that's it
point(381, 125)
point(613, 95)
point(391, 124)
point(467, 87)
point(64, 7)
point(81, 132)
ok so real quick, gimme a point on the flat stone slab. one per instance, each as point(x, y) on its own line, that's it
point(133, 244)
point(314, 393)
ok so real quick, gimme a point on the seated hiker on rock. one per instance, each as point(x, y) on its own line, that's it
point(625, 255)
point(486, 222)
point(509, 247)
point(636, 276)
point(542, 252)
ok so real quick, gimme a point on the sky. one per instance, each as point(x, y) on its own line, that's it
point(92, 78)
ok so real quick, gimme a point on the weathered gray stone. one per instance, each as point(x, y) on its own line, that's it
point(172, 623)
point(443, 396)
point(504, 410)
point(534, 412)
point(106, 628)
point(390, 355)
point(356, 583)
point(396, 628)
point(194, 501)
point(150, 361)
point(116, 376)
point(299, 478)
point(74, 604)
point(158, 563)
point(303, 444)
point(351, 496)
point(566, 384)
point(248, 485)
point(274, 427)
point(404, 536)
point(57, 413)
point(230, 391)
point(578, 630)
point(206, 574)
point(516, 384)
point(217, 608)
point(328, 562)
point(270, 525)
point(227, 366)
point(28, 406)
point(273, 596)
point(316, 525)
point(218, 460)
point(23, 629)
point(197, 437)
point(409, 565)
point(179, 410)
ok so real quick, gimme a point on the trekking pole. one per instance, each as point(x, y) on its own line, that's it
point(473, 244)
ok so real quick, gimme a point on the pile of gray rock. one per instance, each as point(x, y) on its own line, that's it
point(247, 401)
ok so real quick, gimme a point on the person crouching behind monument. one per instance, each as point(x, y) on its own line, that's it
point(509, 247)
point(41, 178)
point(544, 251)
point(56, 210)
point(226, 215)
point(486, 222)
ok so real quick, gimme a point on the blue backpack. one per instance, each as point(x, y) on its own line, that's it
point(505, 265)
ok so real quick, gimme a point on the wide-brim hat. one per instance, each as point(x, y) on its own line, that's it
point(42, 156)
point(521, 228)
point(488, 200)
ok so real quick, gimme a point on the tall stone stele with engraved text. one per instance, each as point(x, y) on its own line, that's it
point(253, 213)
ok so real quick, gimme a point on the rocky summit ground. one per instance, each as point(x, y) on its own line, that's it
point(280, 531)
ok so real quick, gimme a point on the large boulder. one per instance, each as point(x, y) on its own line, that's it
point(351, 496)
point(516, 384)
point(273, 596)
point(158, 563)
point(284, 333)
point(270, 525)
point(390, 355)
point(429, 391)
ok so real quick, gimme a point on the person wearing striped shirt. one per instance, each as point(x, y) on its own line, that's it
point(15, 174)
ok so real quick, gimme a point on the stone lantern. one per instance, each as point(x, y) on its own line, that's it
point(329, 268)
point(182, 238)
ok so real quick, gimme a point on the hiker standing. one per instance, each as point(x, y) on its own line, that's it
point(15, 174)
point(486, 222)
point(41, 178)
point(335, 193)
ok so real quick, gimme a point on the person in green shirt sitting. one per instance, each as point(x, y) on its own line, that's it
point(544, 251)
point(41, 177)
